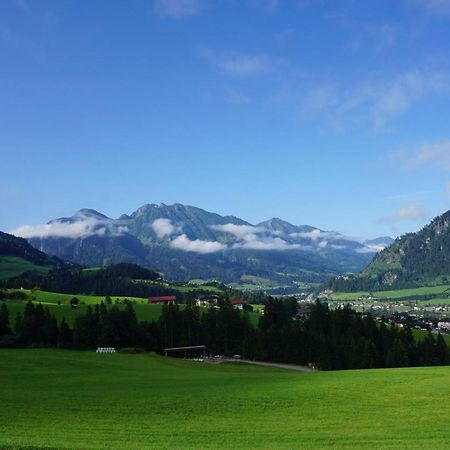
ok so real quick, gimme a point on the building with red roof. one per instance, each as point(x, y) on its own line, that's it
point(237, 303)
point(163, 300)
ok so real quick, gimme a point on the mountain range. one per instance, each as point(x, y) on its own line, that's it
point(185, 242)
point(414, 259)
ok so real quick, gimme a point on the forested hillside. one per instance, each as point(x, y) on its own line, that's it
point(414, 259)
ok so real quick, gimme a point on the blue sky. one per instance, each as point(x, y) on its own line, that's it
point(332, 114)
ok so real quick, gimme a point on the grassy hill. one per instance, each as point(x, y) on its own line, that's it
point(59, 305)
point(17, 256)
point(412, 260)
point(13, 266)
point(64, 399)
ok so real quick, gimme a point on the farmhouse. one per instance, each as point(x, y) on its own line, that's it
point(445, 326)
point(163, 300)
point(208, 301)
point(237, 303)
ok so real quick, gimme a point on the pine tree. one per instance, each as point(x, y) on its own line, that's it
point(4, 320)
point(65, 335)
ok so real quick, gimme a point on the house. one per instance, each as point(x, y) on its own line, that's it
point(444, 326)
point(162, 300)
point(208, 301)
point(237, 303)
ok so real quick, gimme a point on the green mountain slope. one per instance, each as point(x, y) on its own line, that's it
point(17, 256)
point(412, 260)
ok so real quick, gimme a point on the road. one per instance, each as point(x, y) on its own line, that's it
point(267, 364)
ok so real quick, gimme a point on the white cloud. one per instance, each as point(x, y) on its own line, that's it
point(197, 246)
point(178, 9)
point(323, 244)
point(82, 228)
point(314, 235)
point(436, 155)
point(370, 249)
point(376, 101)
point(410, 212)
point(164, 227)
point(413, 211)
point(236, 64)
point(238, 230)
point(255, 238)
point(255, 242)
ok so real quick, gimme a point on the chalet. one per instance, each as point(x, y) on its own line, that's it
point(162, 300)
point(237, 303)
point(208, 301)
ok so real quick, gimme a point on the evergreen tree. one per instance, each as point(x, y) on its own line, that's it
point(4, 320)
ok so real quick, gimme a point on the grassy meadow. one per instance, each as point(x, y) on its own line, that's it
point(395, 294)
point(144, 312)
point(67, 399)
point(13, 266)
point(63, 309)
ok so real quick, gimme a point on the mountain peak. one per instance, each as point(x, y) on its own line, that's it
point(282, 226)
point(87, 212)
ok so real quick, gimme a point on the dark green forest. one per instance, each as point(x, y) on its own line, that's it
point(338, 339)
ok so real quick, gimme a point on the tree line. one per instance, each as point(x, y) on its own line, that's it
point(332, 339)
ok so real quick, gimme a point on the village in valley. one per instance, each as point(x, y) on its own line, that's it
point(424, 315)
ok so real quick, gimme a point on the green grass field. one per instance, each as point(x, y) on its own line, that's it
point(13, 266)
point(144, 311)
point(65, 399)
point(47, 298)
point(396, 294)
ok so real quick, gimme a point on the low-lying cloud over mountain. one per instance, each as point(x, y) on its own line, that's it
point(187, 242)
point(182, 242)
point(83, 224)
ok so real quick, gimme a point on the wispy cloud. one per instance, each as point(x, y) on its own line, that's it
point(411, 197)
point(255, 242)
point(410, 212)
point(81, 228)
point(178, 9)
point(237, 230)
point(255, 238)
point(197, 246)
point(435, 155)
point(236, 64)
point(413, 211)
point(164, 227)
point(315, 235)
point(375, 101)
